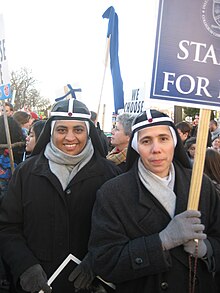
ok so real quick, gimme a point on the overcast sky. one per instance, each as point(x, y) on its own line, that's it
point(65, 42)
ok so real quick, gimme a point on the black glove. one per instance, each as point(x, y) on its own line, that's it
point(82, 276)
point(34, 279)
point(98, 289)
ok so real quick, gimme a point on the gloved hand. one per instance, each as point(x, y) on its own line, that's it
point(82, 275)
point(190, 247)
point(34, 279)
point(98, 289)
point(182, 228)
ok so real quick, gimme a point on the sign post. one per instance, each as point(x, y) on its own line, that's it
point(186, 68)
point(5, 89)
point(198, 165)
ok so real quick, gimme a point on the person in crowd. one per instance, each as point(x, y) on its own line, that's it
point(34, 116)
point(212, 170)
point(214, 129)
point(194, 130)
point(109, 136)
point(46, 214)
point(195, 124)
point(190, 147)
point(6, 172)
point(143, 236)
point(16, 137)
point(184, 130)
point(102, 135)
point(120, 137)
point(212, 166)
point(216, 144)
point(9, 109)
point(24, 119)
point(33, 135)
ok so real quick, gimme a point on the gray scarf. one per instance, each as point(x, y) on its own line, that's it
point(65, 166)
point(161, 188)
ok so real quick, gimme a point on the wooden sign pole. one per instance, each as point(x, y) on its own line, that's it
point(103, 79)
point(103, 116)
point(198, 165)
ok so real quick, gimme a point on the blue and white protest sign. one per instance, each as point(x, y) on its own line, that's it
point(186, 67)
point(5, 89)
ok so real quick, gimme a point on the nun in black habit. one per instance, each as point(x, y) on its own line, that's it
point(46, 214)
point(143, 236)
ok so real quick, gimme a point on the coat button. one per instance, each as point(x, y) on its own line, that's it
point(164, 285)
point(196, 281)
point(68, 191)
point(138, 260)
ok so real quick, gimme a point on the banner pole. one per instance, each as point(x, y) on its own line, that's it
point(198, 164)
point(103, 79)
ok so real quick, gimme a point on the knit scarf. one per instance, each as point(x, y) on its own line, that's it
point(117, 156)
point(161, 188)
point(65, 166)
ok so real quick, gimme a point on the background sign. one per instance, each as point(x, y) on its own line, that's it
point(187, 53)
point(5, 90)
point(135, 103)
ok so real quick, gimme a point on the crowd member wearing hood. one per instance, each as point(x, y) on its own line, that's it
point(142, 236)
point(32, 137)
point(46, 214)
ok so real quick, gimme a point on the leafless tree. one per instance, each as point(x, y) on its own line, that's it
point(23, 83)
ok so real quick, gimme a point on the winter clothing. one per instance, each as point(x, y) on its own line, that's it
point(103, 138)
point(118, 157)
point(125, 241)
point(215, 133)
point(53, 223)
point(134, 241)
point(46, 214)
point(34, 279)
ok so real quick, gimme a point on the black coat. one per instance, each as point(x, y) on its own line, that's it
point(41, 223)
point(125, 241)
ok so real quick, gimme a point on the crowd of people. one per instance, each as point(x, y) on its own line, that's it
point(121, 209)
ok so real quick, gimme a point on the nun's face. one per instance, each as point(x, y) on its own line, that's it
point(70, 136)
point(156, 148)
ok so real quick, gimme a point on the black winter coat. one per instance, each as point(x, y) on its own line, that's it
point(41, 223)
point(125, 241)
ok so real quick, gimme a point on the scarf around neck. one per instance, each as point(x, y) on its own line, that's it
point(65, 166)
point(117, 156)
point(161, 188)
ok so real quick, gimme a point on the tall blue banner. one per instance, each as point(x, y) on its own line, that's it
point(114, 59)
point(186, 67)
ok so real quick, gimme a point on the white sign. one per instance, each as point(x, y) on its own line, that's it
point(5, 91)
point(135, 104)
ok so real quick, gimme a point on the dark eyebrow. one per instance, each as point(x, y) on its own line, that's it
point(160, 135)
point(62, 126)
point(79, 126)
point(74, 127)
point(164, 134)
point(144, 137)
